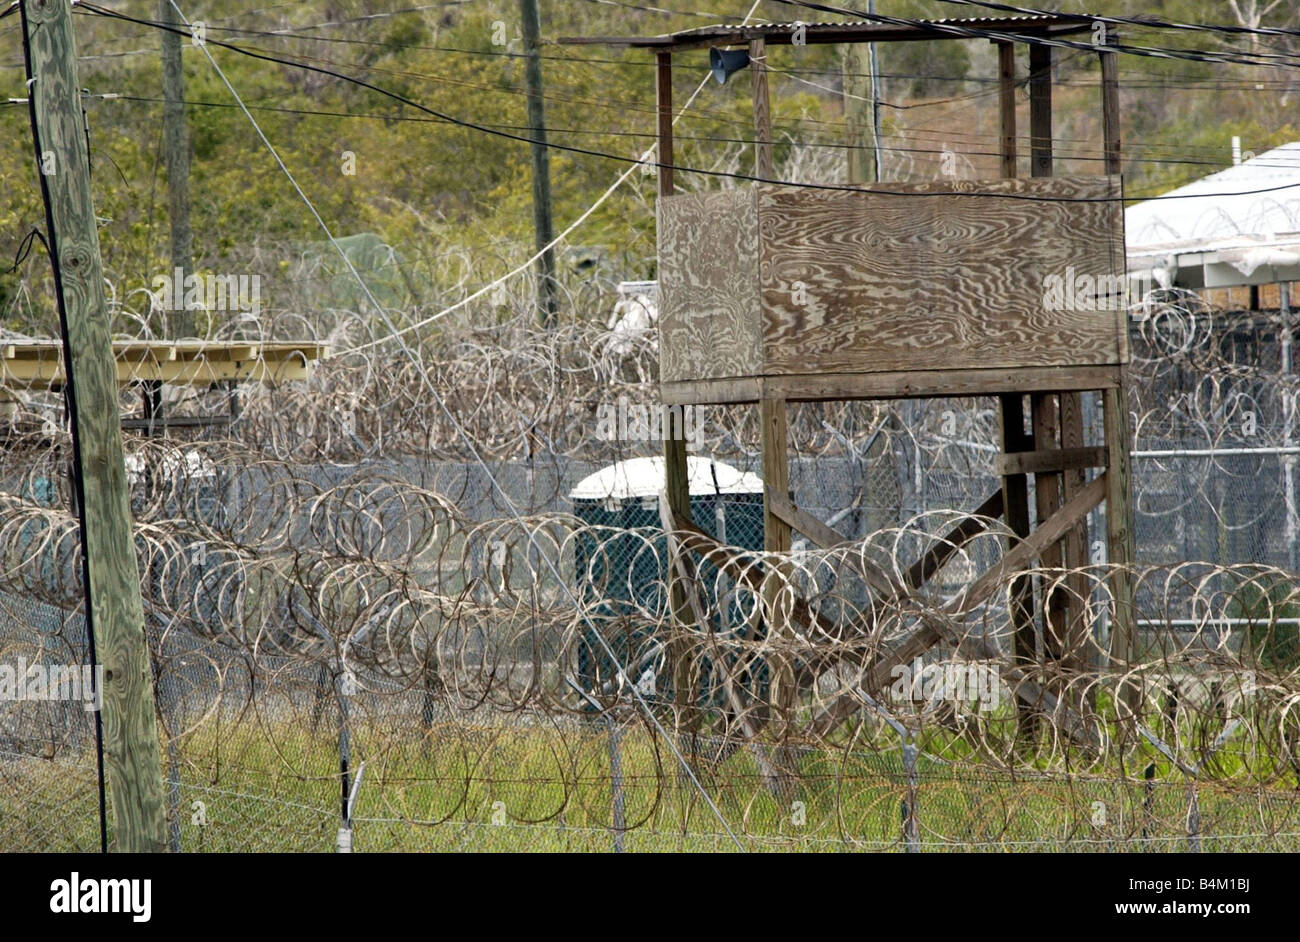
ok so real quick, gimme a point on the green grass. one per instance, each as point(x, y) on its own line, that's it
point(262, 786)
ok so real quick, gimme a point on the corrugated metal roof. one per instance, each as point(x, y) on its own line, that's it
point(858, 30)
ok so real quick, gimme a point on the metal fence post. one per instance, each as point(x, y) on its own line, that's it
point(616, 785)
point(1193, 819)
point(911, 826)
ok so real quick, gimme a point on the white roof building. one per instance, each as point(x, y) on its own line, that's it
point(644, 477)
point(1240, 226)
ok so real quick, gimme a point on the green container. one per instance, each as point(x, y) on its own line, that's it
point(622, 576)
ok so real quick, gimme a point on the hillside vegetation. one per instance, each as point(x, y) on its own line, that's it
point(450, 206)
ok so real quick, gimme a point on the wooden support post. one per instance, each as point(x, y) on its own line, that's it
point(676, 475)
point(762, 110)
point(1110, 106)
point(1040, 110)
point(1007, 106)
point(1119, 514)
point(176, 152)
point(1119, 532)
point(543, 227)
point(114, 611)
point(1075, 546)
point(856, 66)
point(664, 104)
point(1057, 419)
point(776, 539)
point(1015, 487)
point(1015, 501)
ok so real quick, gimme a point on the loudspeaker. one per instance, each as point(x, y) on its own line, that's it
point(725, 61)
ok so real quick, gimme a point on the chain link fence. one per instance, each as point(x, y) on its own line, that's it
point(375, 631)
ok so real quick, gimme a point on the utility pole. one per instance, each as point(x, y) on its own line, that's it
point(861, 82)
point(114, 612)
point(176, 153)
point(542, 225)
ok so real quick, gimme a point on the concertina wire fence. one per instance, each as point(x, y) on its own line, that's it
point(363, 638)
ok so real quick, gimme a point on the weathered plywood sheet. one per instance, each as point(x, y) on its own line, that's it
point(876, 282)
point(709, 323)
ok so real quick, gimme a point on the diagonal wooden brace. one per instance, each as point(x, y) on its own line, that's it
point(942, 626)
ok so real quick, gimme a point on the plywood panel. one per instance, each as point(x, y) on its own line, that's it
point(875, 282)
point(708, 286)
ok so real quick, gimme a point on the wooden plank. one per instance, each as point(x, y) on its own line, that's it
point(923, 278)
point(1110, 107)
point(39, 365)
point(708, 286)
point(1112, 150)
point(1119, 527)
point(884, 585)
point(1048, 499)
point(936, 629)
point(806, 387)
point(664, 108)
point(1015, 492)
point(1076, 643)
point(942, 550)
point(1007, 107)
point(776, 539)
point(114, 611)
point(677, 491)
point(762, 110)
point(1040, 110)
point(1058, 459)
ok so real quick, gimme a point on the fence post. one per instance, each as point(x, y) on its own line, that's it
point(616, 784)
point(911, 827)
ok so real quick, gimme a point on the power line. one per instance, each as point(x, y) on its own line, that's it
point(469, 443)
point(1009, 35)
point(724, 174)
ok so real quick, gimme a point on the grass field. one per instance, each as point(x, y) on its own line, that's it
point(532, 787)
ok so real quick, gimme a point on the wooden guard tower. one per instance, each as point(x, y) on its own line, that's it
point(772, 293)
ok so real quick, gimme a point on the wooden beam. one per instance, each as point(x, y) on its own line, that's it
point(1015, 493)
point(935, 629)
point(664, 101)
point(1119, 527)
point(941, 551)
point(914, 384)
point(751, 574)
point(176, 152)
point(1040, 110)
point(38, 365)
point(762, 110)
point(1032, 547)
point(1110, 106)
point(1007, 107)
point(776, 472)
point(1058, 459)
point(882, 584)
point(1074, 643)
point(114, 611)
point(1047, 500)
point(776, 539)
